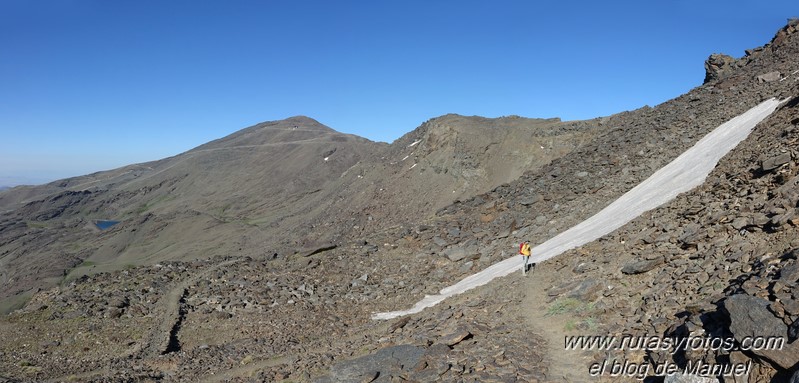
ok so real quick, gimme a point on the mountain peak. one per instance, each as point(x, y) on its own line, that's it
point(292, 129)
point(300, 121)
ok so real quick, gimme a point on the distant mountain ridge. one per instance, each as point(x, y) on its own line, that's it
point(278, 187)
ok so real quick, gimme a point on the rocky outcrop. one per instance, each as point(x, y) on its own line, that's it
point(384, 365)
point(750, 318)
point(718, 66)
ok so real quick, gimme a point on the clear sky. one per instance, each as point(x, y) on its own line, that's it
point(90, 85)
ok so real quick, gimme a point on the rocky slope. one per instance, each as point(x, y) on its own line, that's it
point(718, 261)
point(251, 193)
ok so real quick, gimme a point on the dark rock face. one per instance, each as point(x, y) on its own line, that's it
point(718, 66)
point(750, 318)
point(378, 367)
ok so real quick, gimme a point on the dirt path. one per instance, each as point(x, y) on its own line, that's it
point(564, 365)
point(162, 338)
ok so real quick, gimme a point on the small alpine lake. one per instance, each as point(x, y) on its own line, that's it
point(103, 224)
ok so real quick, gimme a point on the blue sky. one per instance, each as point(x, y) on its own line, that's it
point(93, 85)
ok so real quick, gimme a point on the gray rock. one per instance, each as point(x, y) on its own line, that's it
point(433, 364)
point(760, 219)
point(791, 306)
point(641, 266)
point(769, 77)
point(718, 66)
point(750, 318)
point(383, 364)
point(440, 241)
point(782, 219)
point(692, 234)
point(739, 358)
point(790, 274)
point(527, 201)
point(582, 267)
point(455, 337)
point(562, 288)
point(588, 290)
point(776, 161)
point(740, 223)
point(454, 232)
point(456, 254)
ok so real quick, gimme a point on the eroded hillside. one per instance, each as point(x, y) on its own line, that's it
point(272, 190)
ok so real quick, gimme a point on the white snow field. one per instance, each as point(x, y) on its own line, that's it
point(686, 172)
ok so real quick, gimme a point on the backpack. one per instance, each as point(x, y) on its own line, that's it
point(522, 248)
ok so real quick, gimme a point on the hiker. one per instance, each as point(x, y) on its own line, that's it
point(524, 250)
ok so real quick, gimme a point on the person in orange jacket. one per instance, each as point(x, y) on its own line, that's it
point(525, 251)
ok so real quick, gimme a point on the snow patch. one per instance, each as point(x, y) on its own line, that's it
point(414, 165)
point(786, 77)
point(414, 143)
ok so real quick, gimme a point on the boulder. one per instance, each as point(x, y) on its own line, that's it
point(440, 241)
point(434, 363)
point(749, 317)
point(718, 66)
point(387, 362)
point(774, 162)
point(641, 266)
point(769, 77)
point(692, 234)
point(789, 274)
point(456, 254)
point(741, 222)
point(455, 337)
point(781, 219)
point(527, 201)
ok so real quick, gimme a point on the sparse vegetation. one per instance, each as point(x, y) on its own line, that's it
point(569, 306)
point(582, 313)
point(36, 225)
